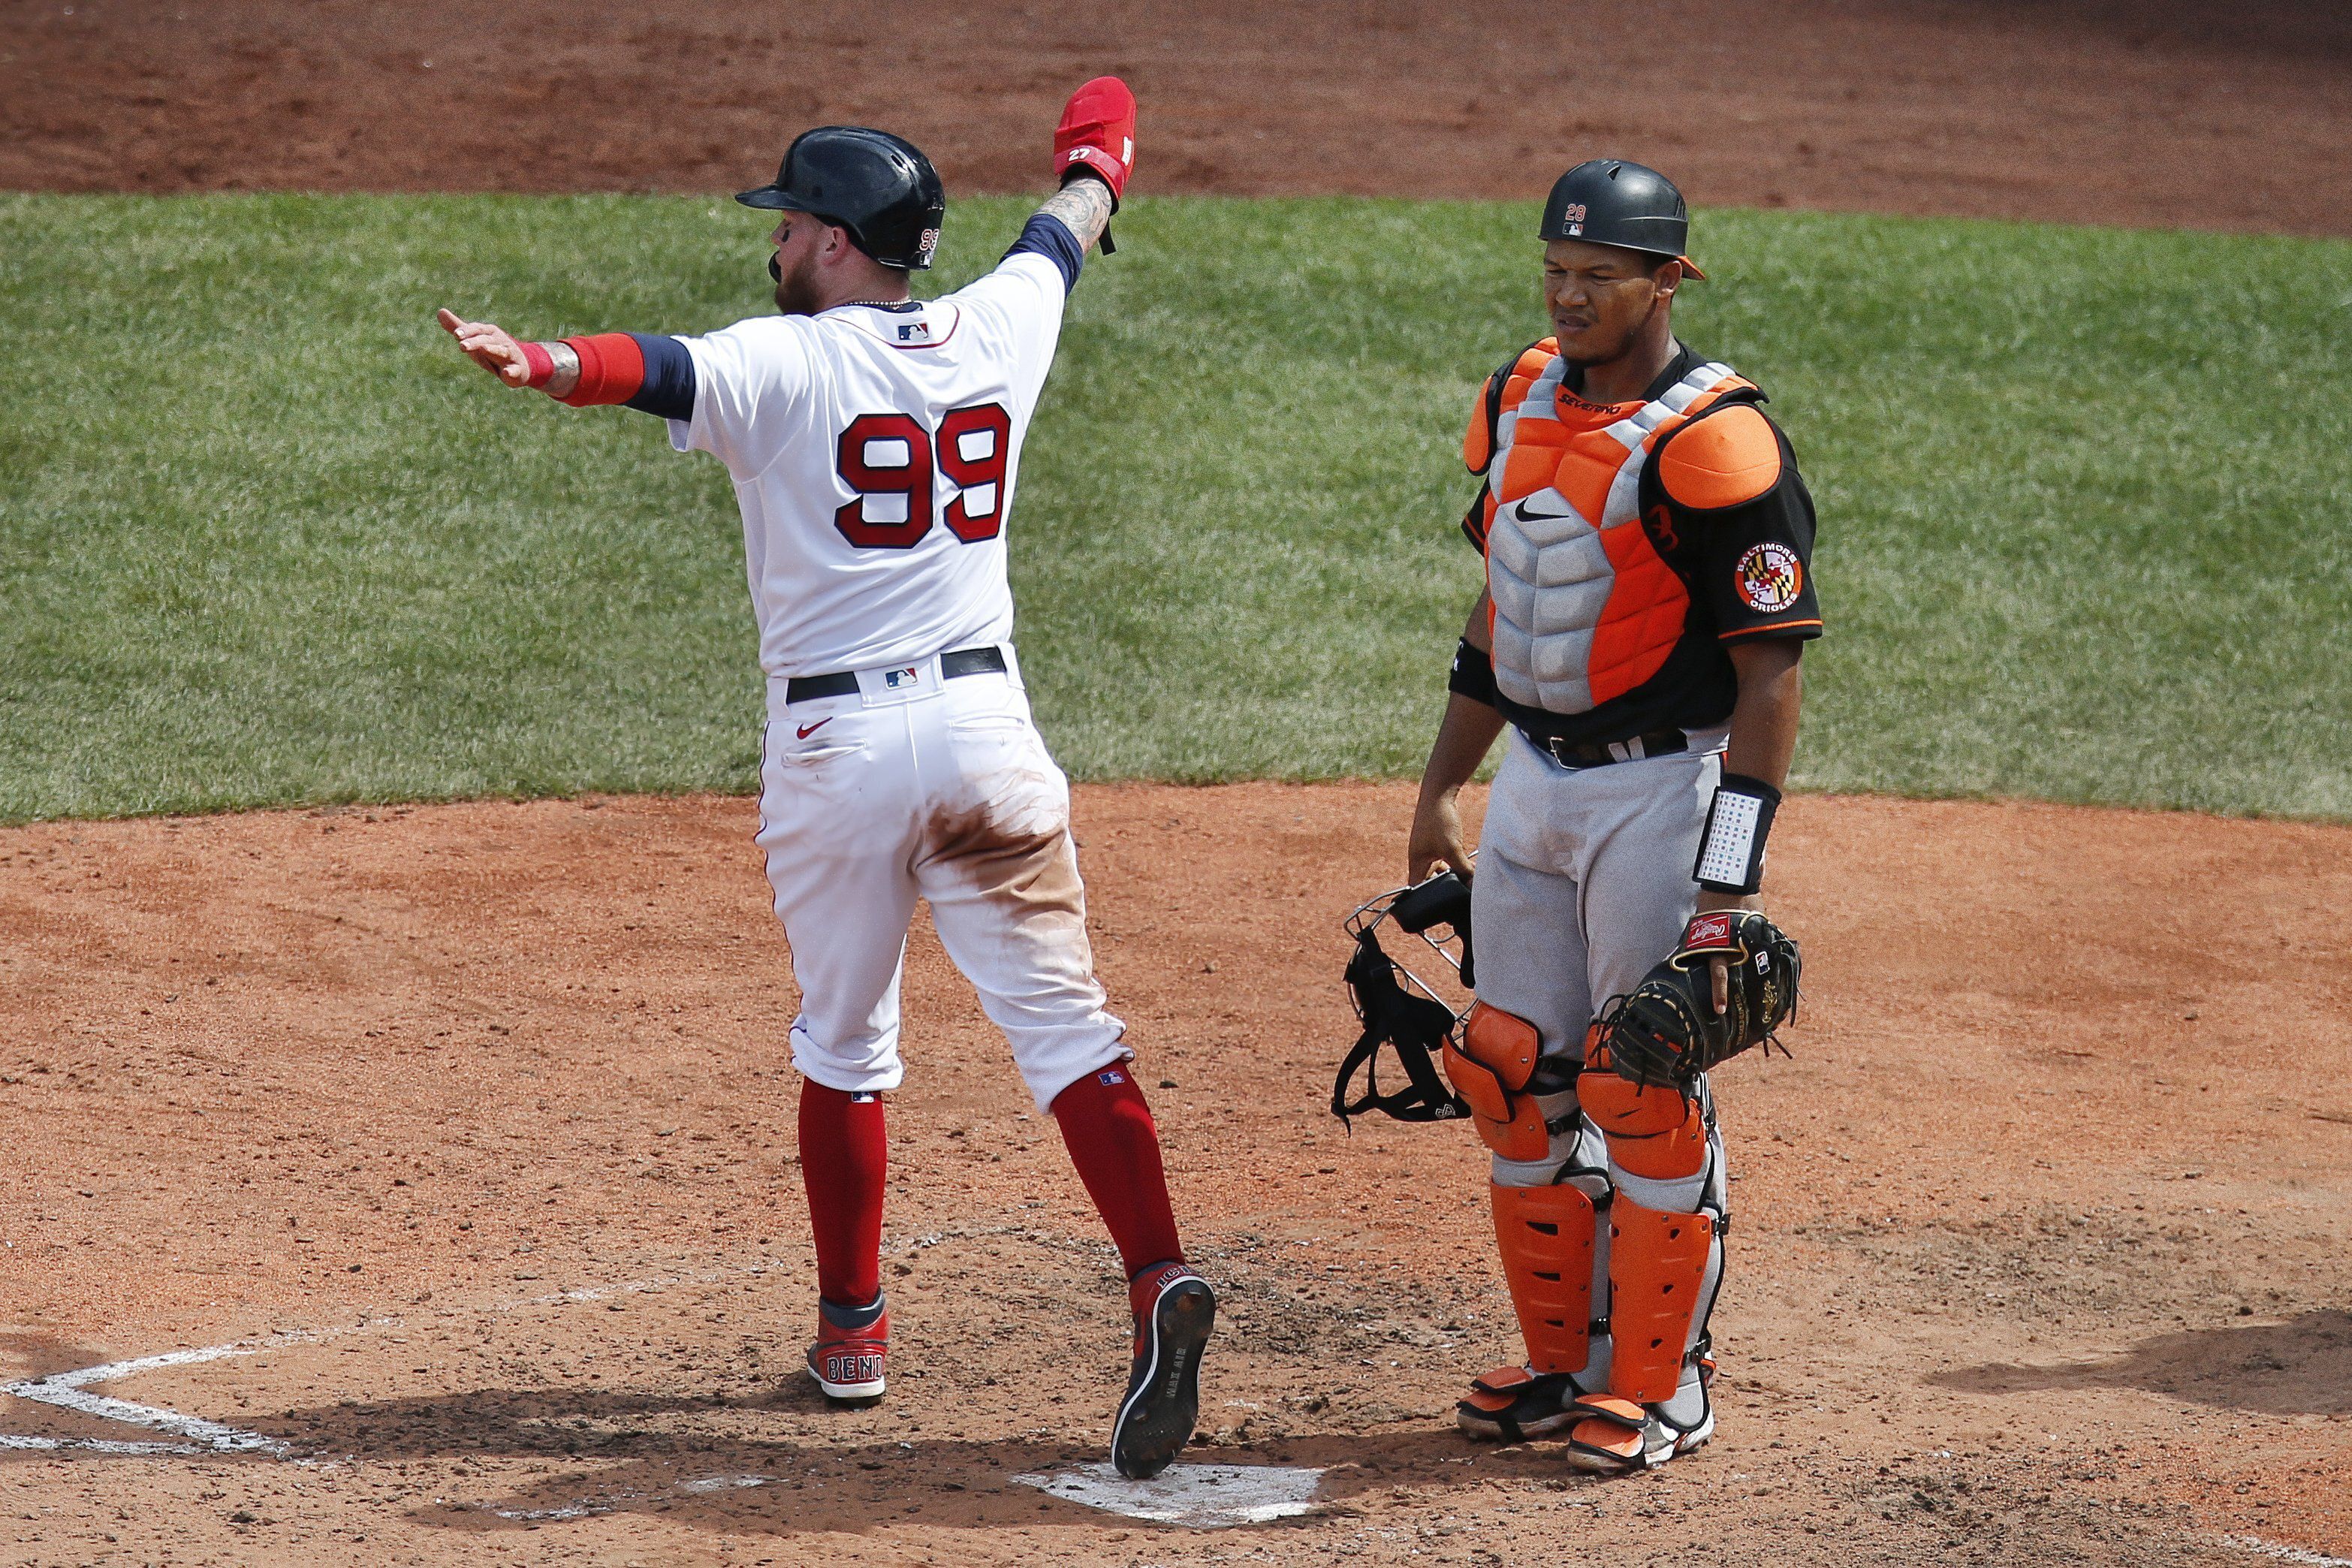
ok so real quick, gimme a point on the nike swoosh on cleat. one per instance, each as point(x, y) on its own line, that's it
point(805, 730)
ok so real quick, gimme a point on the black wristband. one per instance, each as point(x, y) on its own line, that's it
point(1474, 675)
point(1731, 847)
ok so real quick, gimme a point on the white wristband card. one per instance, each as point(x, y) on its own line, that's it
point(1731, 851)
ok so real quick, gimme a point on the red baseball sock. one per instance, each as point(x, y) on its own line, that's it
point(843, 1158)
point(1112, 1141)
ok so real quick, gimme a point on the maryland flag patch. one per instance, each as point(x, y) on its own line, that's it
point(1769, 577)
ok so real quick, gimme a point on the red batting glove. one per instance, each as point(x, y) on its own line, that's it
point(1098, 133)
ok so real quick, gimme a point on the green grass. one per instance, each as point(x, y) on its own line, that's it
point(2087, 499)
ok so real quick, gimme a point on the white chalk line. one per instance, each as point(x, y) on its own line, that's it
point(64, 1390)
point(2279, 1551)
point(95, 1444)
point(207, 1436)
point(67, 1390)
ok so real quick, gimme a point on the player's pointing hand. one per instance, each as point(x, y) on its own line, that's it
point(488, 345)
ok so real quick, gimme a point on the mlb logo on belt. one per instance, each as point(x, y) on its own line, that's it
point(895, 678)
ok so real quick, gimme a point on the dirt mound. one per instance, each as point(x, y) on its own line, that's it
point(2192, 114)
point(470, 1129)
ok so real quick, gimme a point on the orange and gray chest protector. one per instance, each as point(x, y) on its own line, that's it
point(1586, 609)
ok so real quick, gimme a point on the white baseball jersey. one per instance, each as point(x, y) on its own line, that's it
point(875, 452)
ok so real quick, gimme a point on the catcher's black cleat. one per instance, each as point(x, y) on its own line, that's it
point(1513, 1404)
point(1619, 1437)
point(1174, 1312)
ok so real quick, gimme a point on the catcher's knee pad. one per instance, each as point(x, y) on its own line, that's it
point(1663, 1269)
point(1654, 1130)
point(1546, 1238)
point(1495, 1070)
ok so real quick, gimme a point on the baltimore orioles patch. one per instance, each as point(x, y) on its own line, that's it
point(1769, 576)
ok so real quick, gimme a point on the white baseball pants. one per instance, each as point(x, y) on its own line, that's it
point(942, 790)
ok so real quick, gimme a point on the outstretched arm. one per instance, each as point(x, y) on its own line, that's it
point(1094, 153)
point(654, 375)
point(1083, 207)
point(1094, 157)
point(487, 344)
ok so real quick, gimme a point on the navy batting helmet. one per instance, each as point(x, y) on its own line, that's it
point(879, 186)
point(1611, 202)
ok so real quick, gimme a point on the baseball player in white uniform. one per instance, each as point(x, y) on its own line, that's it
point(875, 443)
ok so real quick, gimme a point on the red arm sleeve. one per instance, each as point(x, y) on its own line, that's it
point(611, 369)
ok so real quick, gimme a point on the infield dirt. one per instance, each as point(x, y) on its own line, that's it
point(473, 1123)
point(2175, 114)
point(2039, 1247)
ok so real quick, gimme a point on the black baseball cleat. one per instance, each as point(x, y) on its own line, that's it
point(1175, 1312)
point(1513, 1404)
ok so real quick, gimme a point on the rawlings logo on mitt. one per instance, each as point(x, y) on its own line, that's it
point(1667, 1032)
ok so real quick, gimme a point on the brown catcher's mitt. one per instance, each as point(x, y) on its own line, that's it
point(1667, 1032)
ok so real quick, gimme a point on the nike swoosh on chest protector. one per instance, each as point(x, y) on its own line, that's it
point(1586, 612)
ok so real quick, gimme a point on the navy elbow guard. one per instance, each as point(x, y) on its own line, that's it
point(1731, 849)
point(1050, 238)
point(1474, 675)
point(667, 391)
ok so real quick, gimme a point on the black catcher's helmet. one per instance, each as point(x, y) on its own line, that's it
point(879, 186)
point(1611, 202)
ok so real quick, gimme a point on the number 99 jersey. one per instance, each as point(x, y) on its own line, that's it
point(875, 450)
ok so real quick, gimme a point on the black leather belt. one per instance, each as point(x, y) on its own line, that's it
point(989, 660)
point(1657, 744)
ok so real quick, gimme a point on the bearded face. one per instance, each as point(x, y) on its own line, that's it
point(794, 267)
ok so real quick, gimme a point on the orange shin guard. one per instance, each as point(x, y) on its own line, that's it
point(1657, 1269)
point(1545, 1235)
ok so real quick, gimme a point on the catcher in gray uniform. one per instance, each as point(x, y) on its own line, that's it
point(1647, 543)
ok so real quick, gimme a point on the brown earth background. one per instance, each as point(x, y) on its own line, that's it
point(2040, 1241)
point(2194, 114)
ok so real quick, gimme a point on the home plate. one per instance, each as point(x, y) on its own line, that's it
point(1204, 1497)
